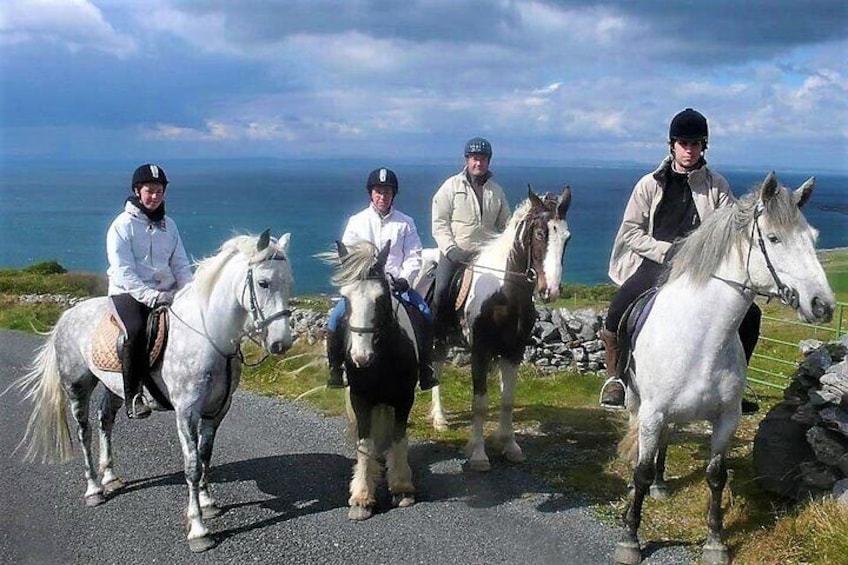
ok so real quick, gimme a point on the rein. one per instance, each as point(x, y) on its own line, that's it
point(529, 274)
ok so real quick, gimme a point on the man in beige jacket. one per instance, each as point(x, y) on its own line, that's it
point(468, 209)
point(664, 206)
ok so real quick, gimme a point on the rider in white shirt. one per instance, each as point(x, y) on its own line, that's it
point(378, 223)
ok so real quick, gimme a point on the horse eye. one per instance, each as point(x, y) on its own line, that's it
point(773, 238)
point(264, 284)
point(540, 234)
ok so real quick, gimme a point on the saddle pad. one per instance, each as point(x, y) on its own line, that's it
point(106, 345)
point(463, 289)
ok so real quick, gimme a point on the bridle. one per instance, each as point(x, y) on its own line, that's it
point(259, 320)
point(378, 327)
point(785, 293)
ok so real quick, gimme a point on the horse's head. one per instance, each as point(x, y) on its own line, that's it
point(361, 278)
point(783, 259)
point(545, 236)
point(267, 290)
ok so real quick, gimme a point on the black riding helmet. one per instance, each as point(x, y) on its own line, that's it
point(478, 146)
point(688, 125)
point(149, 173)
point(382, 177)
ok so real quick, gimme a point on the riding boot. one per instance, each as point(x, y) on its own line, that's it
point(612, 391)
point(335, 359)
point(426, 375)
point(133, 366)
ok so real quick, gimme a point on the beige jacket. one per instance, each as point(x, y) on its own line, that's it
point(458, 220)
point(634, 241)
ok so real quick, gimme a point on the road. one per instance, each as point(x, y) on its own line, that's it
point(281, 474)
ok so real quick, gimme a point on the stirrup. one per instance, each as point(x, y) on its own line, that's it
point(608, 405)
point(138, 409)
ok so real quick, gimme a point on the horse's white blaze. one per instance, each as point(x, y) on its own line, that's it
point(362, 313)
point(558, 236)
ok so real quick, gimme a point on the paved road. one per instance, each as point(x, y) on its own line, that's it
point(281, 474)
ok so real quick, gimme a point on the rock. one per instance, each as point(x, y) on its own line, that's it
point(780, 446)
point(840, 492)
point(827, 446)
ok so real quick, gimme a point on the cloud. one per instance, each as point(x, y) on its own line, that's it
point(75, 25)
point(543, 78)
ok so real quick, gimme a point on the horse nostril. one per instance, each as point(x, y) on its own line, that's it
point(821, 310)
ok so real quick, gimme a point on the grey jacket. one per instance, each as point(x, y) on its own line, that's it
point(459, 221)
point(634, 240)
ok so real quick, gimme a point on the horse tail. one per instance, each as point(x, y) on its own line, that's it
point(628, 447)
point(47, 431)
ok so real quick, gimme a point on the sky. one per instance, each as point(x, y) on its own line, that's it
point(560, 81)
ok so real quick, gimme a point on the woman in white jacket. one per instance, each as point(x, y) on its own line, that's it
point(147, 266)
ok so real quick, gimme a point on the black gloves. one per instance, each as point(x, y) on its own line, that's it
point(457, 255)
point(400, 285)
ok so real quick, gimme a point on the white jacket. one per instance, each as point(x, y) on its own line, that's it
point(404, 259)
point(145, 257)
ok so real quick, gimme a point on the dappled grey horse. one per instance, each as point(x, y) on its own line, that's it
point(242, 291)
point(688, 363)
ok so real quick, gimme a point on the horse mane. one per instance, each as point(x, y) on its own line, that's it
point(500, 244)
point(209, 269)
point(354, 266)
point(699, 254)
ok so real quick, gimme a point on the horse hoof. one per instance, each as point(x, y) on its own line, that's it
point(627, 553)
point(95, 499)
point(659, 492)
point(479, 465)
point(359, 513)
point(514, 455)
point(199, 545)
point(403, 500)
point(211, 511)
point(715, 554)
point(112, 486)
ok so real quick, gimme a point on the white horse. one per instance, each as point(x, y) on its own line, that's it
point(499, 313)
point(688, 363)
point(242, 291)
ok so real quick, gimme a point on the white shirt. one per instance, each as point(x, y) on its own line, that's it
point(404, 259)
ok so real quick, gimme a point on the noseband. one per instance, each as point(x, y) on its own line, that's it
point(378, 327)
point(786, 294)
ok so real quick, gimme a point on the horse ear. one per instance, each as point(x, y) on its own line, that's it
point(283, 242)
point(341, 248)
point(264, 240)
point(769, 187)
point(384, 254)
point(564, 202)
point(804, 191)
point(534, 199)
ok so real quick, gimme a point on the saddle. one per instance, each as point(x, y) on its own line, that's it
point(459, 287)
point(630, 326)
point(109, 340)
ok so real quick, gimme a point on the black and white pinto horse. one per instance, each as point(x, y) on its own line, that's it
point(242, 291)
point(688, 363)
point(499, 314)
point(381, 363)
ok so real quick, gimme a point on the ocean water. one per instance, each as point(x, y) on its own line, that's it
point(60, 211)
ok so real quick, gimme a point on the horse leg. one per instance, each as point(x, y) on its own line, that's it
point(476, 448)
point(198, 536)
point(627, 550)
point(440, 424)
point(80, 395)
point(364, 482)
point(506, 434)
point(659, 488)
point(208, 507)
point(398, 471)
point(715, 552)
point(110, 403)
